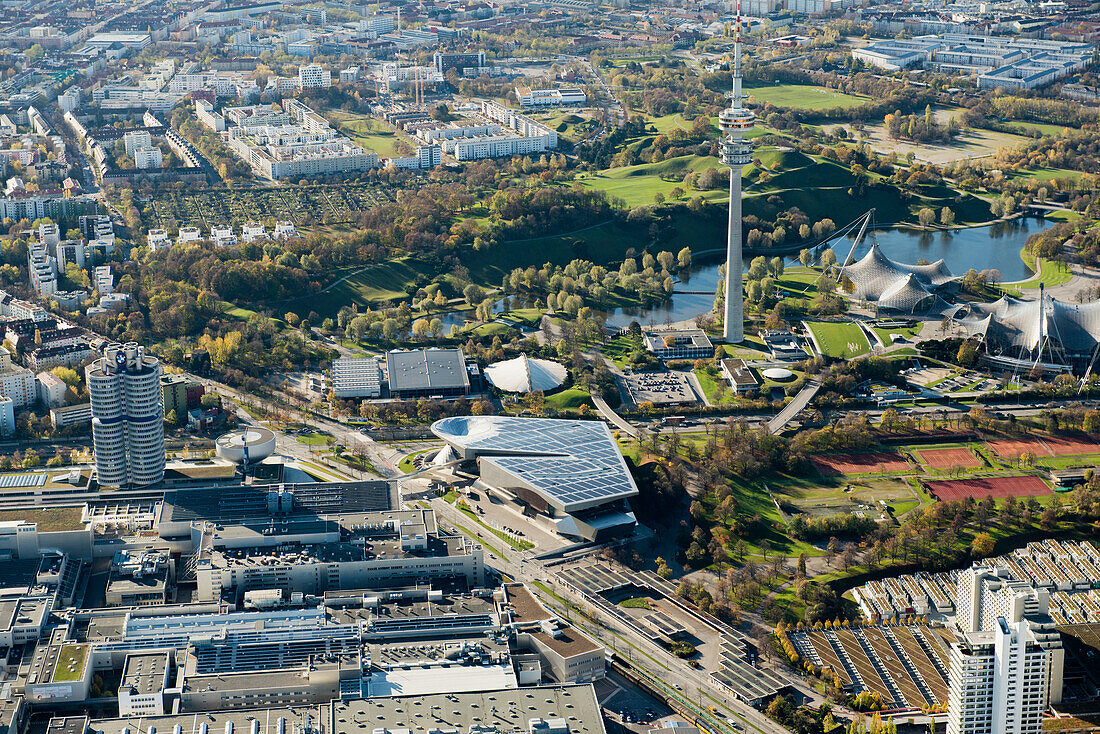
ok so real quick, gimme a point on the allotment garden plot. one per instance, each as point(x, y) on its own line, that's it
point(319, 204)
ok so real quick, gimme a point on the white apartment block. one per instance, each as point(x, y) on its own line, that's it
point(427, 156)
point(42, 269)
point(308, 147)
point(51, 389)
point(208, 117)
point(349, 75)
point(151, 157)
point(314, 76)
point(252, 231)
point(998, 681)
point(49, 234)
point(496, 146)
point(188, 234)
point(158, 239)
point(528, 97)
point(16, 383)
point(356, 378)
point(223, 236)
point(135, 140)
point(378, 24)
point(285, 229)
point(103, 280)
point(7, 416)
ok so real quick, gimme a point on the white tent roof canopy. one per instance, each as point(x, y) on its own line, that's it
point(521, 375)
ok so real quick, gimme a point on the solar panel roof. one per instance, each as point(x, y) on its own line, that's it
point(575, 464)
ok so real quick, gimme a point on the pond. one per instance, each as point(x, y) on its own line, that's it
point(996, 246)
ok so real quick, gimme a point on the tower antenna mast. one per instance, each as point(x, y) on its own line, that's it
point(735, 122)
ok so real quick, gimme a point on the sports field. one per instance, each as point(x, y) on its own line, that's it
point(1014, 448)
point(1071, 445)
point(880, 461)
point(947, 490)
point(839, 340)
point(804, 97)
point(957, 458)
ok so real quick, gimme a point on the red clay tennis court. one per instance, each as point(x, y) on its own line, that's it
point(956, 489)
point(949, 458)
point(881, 461)
point(1013, 448)
point(1071, 445)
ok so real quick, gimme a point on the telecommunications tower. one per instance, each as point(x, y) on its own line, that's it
point(735, 121)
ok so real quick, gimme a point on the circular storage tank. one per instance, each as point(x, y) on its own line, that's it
point(246, 444)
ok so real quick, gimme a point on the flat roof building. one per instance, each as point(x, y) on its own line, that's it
point(669, 344)
point(425, 373)
point(356, 378)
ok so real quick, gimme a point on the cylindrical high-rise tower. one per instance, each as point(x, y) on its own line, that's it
point(735, 121)
point(127, 416)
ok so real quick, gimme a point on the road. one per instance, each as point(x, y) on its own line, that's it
point(680, 681)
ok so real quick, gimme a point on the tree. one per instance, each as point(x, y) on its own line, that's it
point(968, 353)
point(211, 400)
point(982, 545)
point(805, 257)
point(947, 216)
point(926, 216)
point(35, 52)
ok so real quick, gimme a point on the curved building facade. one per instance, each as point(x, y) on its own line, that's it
point(127, 416)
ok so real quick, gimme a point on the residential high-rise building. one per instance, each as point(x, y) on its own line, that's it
point(314, 76)
point(735, 121)
point(127, 416)
point(1007, 660)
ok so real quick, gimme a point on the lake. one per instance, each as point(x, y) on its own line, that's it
point(996, 246)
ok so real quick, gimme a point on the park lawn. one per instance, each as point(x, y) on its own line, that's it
point(312, 439)
point(709, 383)
point(753, 500)
point(1063, 215)
point(834, 495)
point(386, 281)
point(531, 317)
point(907, 331)
point(492, 328)
point(1051, 273)
point(570, 398)
point(1042, 127)
point(406, 464)
point(635, 602)
point(619, 348)
point(644, 189)
point(604, 244)
point(366, 132)
point(839, 340)
point(804, 97)
point(1044, 174)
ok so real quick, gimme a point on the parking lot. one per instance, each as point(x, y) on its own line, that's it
point(659, 388)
